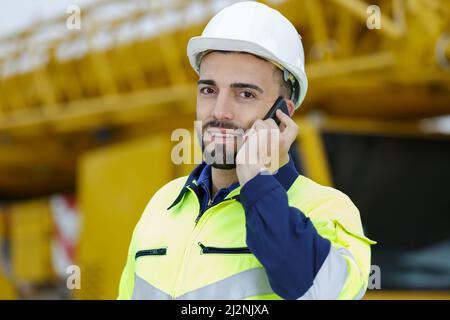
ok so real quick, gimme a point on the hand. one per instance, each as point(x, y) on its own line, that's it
point(265, 147)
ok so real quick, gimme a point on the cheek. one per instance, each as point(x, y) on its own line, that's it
point(248, 118)
point(203, 110)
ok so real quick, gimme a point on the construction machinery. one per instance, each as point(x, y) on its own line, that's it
point(90, 111)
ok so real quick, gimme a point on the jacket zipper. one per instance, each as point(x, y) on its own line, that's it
point(210, 200)
point(187, 251)
point(238, 250)
point(209, 206)
point(151, 252)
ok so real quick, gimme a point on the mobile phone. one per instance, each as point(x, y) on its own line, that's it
point(279, 104)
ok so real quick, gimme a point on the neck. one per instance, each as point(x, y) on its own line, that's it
point(222, 178)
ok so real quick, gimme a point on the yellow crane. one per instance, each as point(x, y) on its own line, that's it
point(379, 68)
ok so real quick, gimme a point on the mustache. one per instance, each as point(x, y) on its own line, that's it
point(221, 124)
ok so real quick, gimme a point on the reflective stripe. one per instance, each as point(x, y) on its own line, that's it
point(363, 290)
point(361, 293)
point(249, 283)
point(330, 279)
point(145, 291)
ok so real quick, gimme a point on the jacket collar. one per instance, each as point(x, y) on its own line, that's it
point(191, 182)
point(286, 176)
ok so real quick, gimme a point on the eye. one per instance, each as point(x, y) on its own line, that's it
point(247, 95)
point(207, 90)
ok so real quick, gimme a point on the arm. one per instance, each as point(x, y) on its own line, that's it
point(303, 259)
point(299, 261)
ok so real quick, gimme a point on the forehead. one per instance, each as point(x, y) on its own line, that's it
point(236, 66)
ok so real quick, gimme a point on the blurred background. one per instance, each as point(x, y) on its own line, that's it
point(86, 116)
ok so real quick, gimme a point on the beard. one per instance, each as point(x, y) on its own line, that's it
point(221, 155)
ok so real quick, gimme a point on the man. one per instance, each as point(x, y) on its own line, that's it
point(245, 229)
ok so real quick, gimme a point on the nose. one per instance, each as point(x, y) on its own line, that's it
point(223, 108)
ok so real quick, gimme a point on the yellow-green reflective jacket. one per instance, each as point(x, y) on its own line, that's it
point(174, 255)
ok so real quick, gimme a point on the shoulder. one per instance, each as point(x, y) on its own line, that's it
point(165, 195)
point(172, 187)
point(321, 202)
point(313, 193)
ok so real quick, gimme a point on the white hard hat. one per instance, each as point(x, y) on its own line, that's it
point(255, 28)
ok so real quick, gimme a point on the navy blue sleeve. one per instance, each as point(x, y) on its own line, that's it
point(281, 237)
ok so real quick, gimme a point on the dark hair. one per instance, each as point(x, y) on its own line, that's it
point(285, 86)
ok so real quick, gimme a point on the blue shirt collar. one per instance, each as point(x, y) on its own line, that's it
point(205, 180)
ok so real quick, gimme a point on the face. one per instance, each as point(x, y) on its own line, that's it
point(234, 90)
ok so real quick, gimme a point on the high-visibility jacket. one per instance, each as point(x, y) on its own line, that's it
point(175, 253)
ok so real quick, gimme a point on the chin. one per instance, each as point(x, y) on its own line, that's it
point(217, 159)
point(224, 166)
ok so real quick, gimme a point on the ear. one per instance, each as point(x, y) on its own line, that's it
point(291, 107)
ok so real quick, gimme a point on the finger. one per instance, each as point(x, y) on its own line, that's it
point(260, 124)
point(285, 119)
point(269, 128)
point(271, 123)
point(249, 133)
point(290, 132)
point(273, 134)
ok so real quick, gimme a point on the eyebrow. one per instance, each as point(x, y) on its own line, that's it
point(208, 82)
point(240, 85)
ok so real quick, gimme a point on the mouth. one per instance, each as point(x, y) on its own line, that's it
point(220, 134)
